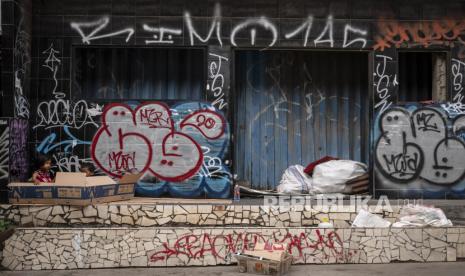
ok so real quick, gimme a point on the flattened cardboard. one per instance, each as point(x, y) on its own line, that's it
point(27, 193)
point(274, 252)
point(74, 189)
point(70, 179)
point(130, 178)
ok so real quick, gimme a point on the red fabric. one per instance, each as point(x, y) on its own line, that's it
point(44, 177)
point(310, 167)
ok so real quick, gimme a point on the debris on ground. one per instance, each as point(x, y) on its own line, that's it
point(367, 219)
point(294, 181)
point(325, 223)
point(265, 259)
point(332, 176)
point(325, 176)
point(421, 216)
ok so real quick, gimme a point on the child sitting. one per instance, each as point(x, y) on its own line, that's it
point(88, 169)
point(43, 173)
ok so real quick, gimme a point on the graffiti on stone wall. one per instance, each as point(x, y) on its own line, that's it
point(147, 138)
point(418, 144)
point(222, 247)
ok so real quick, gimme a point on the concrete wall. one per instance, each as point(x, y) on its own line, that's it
point(124, 247)
point(130, 215)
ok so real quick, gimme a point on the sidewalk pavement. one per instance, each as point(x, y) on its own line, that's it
point(397, 269)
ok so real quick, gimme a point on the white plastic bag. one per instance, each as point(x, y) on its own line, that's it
point(419, 216)
point(367, 219)
point(294, 181)
point(330, 177)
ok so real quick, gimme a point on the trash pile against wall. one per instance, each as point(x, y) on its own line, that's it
point(420, 216)
point(410, 216)
point(325, 176)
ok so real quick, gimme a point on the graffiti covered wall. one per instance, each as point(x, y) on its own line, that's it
point(181, 148)
point(4, 155)
point(126, 247)
point(73, 129)
point(420, 152)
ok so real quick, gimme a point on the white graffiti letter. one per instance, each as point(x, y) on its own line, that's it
point(215, 25)
point(262, 21)
point(382, 82)
point(307, 25)
point(98, 25)
point(217, 80)
point(348, 29)
point(328, 29)
point(52, 62)
point(160, 37)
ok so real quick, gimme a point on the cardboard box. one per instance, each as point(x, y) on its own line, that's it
point(265, 259)
point(274, 252)
point(74, 189)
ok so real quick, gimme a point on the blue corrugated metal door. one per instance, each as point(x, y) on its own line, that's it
point(293, 107)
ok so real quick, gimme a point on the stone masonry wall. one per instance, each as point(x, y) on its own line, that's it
point(181, 215)
point(48, 248)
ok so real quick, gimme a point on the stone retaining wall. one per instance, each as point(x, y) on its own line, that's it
point(48, 248)
point(182, 215)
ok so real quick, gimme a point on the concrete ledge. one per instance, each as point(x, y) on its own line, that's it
point(128, 215)
point(64, 248)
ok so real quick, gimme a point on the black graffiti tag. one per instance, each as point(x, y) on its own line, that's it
point(418, 145)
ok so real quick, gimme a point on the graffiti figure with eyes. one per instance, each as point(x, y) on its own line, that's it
point(418, 145)
point(118, 146)
point(147, 139)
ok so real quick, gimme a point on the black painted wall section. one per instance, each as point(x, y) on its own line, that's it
point(15, 92)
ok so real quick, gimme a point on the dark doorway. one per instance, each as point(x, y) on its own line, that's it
point(139, 73)
point(422, 76)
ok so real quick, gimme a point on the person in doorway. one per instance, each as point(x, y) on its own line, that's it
point(43, 174)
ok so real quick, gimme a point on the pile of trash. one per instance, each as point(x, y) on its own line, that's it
point(325, 176)
point(265, 259)
point(409, 216)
